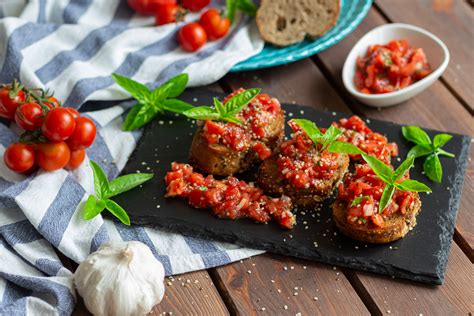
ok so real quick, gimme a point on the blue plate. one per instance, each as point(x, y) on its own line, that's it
point(352, 13)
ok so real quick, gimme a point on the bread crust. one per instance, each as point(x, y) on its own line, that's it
point(218, 159)
point(270, 179)
point(396, 225)
point(286, 22)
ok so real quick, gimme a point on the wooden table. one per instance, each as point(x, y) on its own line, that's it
point(277, 285)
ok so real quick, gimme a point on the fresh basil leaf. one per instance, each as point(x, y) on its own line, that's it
point(412, 186)
point(359, 199)
point(160, 94)
point(416, 135)
point(433, 168)
point(131, 117)
point(332, 133)
point(419, 150)
point(247, 6)
point(344, 148)
point(137, 90)
point(310, 128)
point(176, 85)
point(441, 139)
point(231, 10)
point(144, 115)
point(101, 184)
point(93, 207)
point(232, 119)
point(445, 153)
point(202, 113)
point(126, 182)
point(220, 108)
point(386, 197)
point(117, 211)
point(380, 169)
point(175, 105)
point(403, 168)
point(235, 104)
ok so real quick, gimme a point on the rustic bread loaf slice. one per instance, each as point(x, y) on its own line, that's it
point(286, 22)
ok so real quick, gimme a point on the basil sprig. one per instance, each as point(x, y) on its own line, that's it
point(425, 147)
point(104, 190)
point(359, 199)
point(246, 6)
point(384, 173)
point(151, 103)
point(313, 132)
point(224, 112)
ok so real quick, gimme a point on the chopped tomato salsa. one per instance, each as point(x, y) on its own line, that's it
point(390, 67)
point(230, 198)
point(356, 132)
point(256, 118)
point(367, 188)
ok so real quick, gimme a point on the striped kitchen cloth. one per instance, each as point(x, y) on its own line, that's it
point(71, 47)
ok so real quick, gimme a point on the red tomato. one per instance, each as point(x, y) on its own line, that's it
point(58, 124)
point(52, 156)
point(74, 112)
point(76, 159)
point(191, 37)
point(9, 103)
point(195, 5)
point(215, 25)
point(52, 103)
point(19, 157)
point(148, 6)
point(29, 116)
point(166, 14)
point(83, 135)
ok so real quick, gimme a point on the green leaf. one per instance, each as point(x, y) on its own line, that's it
point(332, 133)
point(232, 119)
point(416, 135)
point(381, 170)
point(441, 139)
point(310, 128)
point(247, 6)
point(231, 10)
point(403, 168)
point(202, 113)
point(445, 153)
point(101, 184)
point(220, 108)
point(412, 186)
point(93, 207)
point(433, 168)
point(235, 104)
point(419, 150)
point(117, 211)
point(359, 199)
point(137, 90)
point(131, 117)
point(175, 105)
point(144, 115)
point(160, 94)
point(176, 85)
point(344, 148)
point(386, 197)
point(127, 182)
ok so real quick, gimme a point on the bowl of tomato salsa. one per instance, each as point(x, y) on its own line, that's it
point(392, 63)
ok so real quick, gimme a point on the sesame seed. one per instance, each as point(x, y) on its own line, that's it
point(315, 298)
point(285, 307)
point(249, 272)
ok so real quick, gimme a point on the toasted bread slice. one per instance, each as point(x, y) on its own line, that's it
point(271, 180)
point(396, 225)
point(218, 159)
point(286, 22)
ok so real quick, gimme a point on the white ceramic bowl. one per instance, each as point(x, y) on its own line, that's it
point(436, 52)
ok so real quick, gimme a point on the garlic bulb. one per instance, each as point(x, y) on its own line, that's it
point(120, 278)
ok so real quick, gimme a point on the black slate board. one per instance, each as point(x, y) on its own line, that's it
point(421, 256)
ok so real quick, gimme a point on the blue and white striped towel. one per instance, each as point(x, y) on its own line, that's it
point(72, 46)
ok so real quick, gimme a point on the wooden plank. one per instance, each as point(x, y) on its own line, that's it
point(287, 286)
point(434, 108)
point(451, 21)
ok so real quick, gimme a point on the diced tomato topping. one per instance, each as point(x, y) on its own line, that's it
point(262, 150)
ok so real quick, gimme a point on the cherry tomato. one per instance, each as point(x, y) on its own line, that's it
point(148, 6)
point(29, 116)
point(191, 37)
point(58, 124)
point(52, 103)
point(76, 159)
point(8, 103)
point(166, 14)
point(83, 135)
point(195, 5)
point(74, 112)
point(52, 156)
point(19, 157)
point(215, 25)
